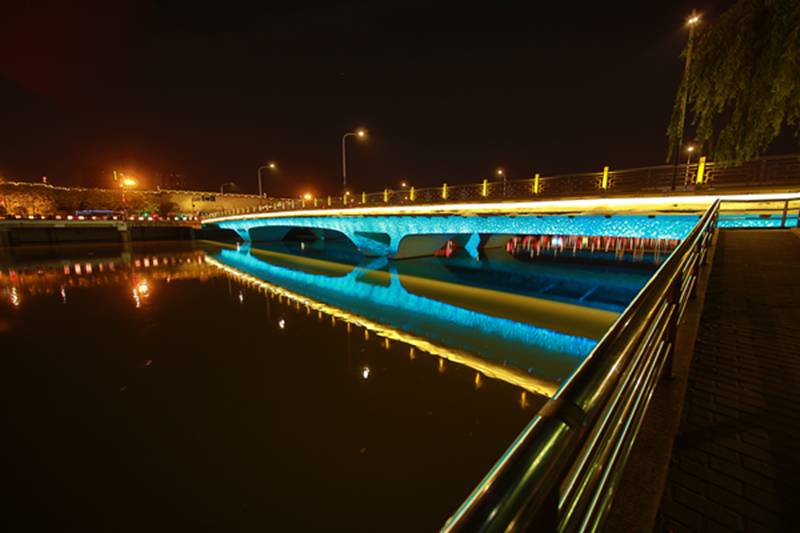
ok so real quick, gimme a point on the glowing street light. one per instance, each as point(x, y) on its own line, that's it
point(689, 149)
point(271, 165)
point(357, 133)
point(693, 20)
point(130, 183)
point(500, 172)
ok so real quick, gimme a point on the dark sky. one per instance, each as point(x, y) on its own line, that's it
point(448, 90)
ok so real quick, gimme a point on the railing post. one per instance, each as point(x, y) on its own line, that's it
point(785, 210)
point(444, 191)
point(701, 168)
point(673, 300)
point(411, 195)
point(605, 178)
point(485, 189)
point(363, 198)
point(535, 184)
point(695, 273)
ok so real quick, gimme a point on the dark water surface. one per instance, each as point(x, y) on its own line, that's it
point(145, 389)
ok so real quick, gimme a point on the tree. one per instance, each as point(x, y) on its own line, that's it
point(744, 80)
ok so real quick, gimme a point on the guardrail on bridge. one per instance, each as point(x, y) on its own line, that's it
point(770, 173)
point(561, 472)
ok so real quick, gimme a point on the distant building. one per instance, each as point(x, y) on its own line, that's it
point(172, 181)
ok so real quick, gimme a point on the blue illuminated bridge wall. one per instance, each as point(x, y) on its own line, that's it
point(403, 236)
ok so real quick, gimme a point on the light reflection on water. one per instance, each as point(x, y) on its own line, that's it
point(147, 389)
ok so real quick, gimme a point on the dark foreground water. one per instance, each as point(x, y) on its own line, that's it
point(147, 389)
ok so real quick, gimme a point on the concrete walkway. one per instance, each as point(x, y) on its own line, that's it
point(735, 462)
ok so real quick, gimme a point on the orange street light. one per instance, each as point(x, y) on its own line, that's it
point(358, 133)
point(271, 165)
point(500, 172)
point(693, 20)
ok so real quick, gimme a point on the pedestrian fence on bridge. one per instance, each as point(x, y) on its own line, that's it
point(563, 470)
point(770, 173)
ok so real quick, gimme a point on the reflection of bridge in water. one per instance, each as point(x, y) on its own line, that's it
point(532, 334)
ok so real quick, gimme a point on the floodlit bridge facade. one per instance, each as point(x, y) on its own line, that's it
point(400, 234)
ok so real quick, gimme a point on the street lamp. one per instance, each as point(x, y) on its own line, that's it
point(358, 133)
point(271, 165)
point(679, 137)
point(130, 183)
point(689, 149)
point(222, 195)
point(501, 173)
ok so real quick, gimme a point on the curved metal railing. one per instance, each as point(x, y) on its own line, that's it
point(769, 173)
point(561, 472)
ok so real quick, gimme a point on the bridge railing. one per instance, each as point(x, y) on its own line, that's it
point(562, 471)
point(702, 177)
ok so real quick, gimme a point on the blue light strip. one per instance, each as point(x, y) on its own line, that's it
point(398, 227)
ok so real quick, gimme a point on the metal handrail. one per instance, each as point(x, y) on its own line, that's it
point(779, 172)
point(561, 472)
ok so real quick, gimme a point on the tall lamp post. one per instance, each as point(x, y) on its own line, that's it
point(501, 173)
point(222, 194)
point(358, 133)
point(679, 138)
point(690, 149)
point(271, 165)
point(130, 183)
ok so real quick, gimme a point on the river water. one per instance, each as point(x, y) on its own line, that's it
point(192, 387)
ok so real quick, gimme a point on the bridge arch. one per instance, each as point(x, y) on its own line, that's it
point(405, 235)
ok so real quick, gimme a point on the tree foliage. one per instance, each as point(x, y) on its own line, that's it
point(744, 80)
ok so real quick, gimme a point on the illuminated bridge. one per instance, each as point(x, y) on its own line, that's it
point(404, 232)
point(564, 470)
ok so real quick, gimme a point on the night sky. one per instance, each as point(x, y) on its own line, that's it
point(449, 91)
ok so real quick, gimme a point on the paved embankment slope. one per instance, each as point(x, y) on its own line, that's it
point(736, 460)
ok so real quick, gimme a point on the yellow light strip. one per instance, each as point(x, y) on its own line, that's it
point(701, 170)
point(519, 207)
point(529, 383)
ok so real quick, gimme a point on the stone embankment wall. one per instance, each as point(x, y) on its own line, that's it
point(44, 200)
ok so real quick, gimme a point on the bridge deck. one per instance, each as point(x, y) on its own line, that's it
point(734, 407)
